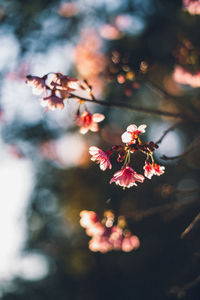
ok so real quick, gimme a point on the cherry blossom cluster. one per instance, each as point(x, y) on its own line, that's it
point(127, 177)
point(56, 88)
point(58, 85)
point(184, 77)
point(192, 6)
point(105, 236)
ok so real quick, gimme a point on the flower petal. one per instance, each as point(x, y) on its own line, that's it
point(93, 150)
point(126, 137)
point(83, 130)
point(94, 127)
point(142, 128)
point(98, 117)
point(131, 128)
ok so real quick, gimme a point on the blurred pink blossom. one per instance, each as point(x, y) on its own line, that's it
point(68, 10)
point(105, 238)
point(88, 218)
point(192, 6)
point(101, 244)
point(90, 61)
point(123, 21)
point(110, 32)
point(95, 229)
point(19, 73)
point(130, 243)
point(184, 77)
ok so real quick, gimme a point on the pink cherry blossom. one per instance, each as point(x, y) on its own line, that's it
point(100, 157)
point(152, 169)
point(88, 121)
point(148, 170)
point(37, 84)
point(132, 133)
point(127, 177)
point(52, 102)
point(158, 170)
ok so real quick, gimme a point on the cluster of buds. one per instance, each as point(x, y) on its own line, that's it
point(127, 177)
point(105, 236)
point(56, 88)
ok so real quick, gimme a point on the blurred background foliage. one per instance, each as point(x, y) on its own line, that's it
point(134, 65)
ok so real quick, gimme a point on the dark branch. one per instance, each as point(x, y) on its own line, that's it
point(180, 291)
point(187, 151)
point(191, 226)
point(133, 108)
point(175, 100)
point(139, 215)
point(172, 127)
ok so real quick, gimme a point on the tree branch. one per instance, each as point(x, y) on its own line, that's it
point(180, 291)
point(139, 215)
point(175, 100)
point(190, 226)
point(195, 143)
point(172, 127)
point(133, 108)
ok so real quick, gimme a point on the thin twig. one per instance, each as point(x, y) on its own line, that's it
point(164, 94)
point(187, 151)
point(134, 108)
point(180, 291)
point(186, 111)
point(139, 215)
point(190, 226)
point(185, 192)
point(172, 127)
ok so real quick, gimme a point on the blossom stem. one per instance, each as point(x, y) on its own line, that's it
point(191, 226)
point(127, 159)
point(152, 159)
